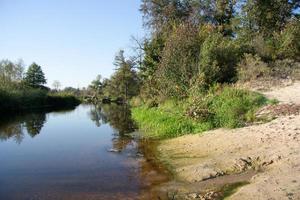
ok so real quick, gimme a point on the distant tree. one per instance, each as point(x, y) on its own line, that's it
point(10, 73)
point(56, 85)
point(124, 82)
point(34, 76)
point(96, 85)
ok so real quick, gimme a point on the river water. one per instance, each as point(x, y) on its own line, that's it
point(85, 153)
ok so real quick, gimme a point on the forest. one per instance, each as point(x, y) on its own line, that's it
point(184, 74)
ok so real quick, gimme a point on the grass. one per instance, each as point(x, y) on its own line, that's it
point(233, 107)
point(158, 123)
point(229, 107)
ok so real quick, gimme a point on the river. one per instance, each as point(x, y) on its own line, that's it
point(90, 152)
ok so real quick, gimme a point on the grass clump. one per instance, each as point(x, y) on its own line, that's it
point(227, 107)
point(232, 107)
point(160, 123)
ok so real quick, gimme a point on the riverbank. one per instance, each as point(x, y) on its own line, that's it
point(260, 161)
point(33, 99)
point(224, 106)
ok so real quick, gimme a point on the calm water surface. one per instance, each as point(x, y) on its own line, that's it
point(86, 153)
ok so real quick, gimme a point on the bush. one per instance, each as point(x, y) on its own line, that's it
point(179, 62)
point(285, 69)
point(62, 101)
point(252, 68)
point(27, 99)
point(288, 41)
point(218, 59)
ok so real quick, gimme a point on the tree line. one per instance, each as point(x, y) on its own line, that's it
point(194, 44)
point(21, 90)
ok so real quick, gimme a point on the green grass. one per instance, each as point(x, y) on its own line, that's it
point(158, 123)
point(233, 107)
point(228, 107)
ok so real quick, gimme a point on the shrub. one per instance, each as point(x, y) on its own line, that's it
point(179, 62)
point(251, 68)
point(29, 98)
point(288, 41)
point(218, 59)
point(285, 69)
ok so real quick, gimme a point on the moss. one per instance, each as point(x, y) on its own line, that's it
point(229, 190)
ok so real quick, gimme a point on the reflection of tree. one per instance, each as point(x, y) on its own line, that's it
point(13, 126)
point(119, 117)
point(97, 116)
point(34, 123)
point(10, 130)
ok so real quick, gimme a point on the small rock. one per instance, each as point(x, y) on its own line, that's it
point(113, 150)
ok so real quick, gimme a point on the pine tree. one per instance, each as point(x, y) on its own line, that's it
point(34, 76)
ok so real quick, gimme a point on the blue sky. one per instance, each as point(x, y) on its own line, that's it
point(73, 40)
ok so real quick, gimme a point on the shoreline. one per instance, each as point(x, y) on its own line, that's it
point(267, 153)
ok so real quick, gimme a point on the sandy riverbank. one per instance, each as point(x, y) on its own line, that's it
point(266, 156)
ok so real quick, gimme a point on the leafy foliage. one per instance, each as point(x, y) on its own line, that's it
point(179, 63)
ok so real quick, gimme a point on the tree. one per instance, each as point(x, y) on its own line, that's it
point(11, 73)
point(161, 13)
point(96, 85)
point(179, 62)
point(34, 76)
point(124, 82)
point(268, 16)
point(56, 85)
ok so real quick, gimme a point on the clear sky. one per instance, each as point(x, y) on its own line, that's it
point(73, 40)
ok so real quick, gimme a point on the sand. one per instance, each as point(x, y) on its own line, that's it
point(271, 150)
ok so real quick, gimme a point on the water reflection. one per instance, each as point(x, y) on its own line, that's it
point(34, 123)
point(140, 152)
point(11, 129)
point(69, 160)
point(119, 118)
point(13, 126)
